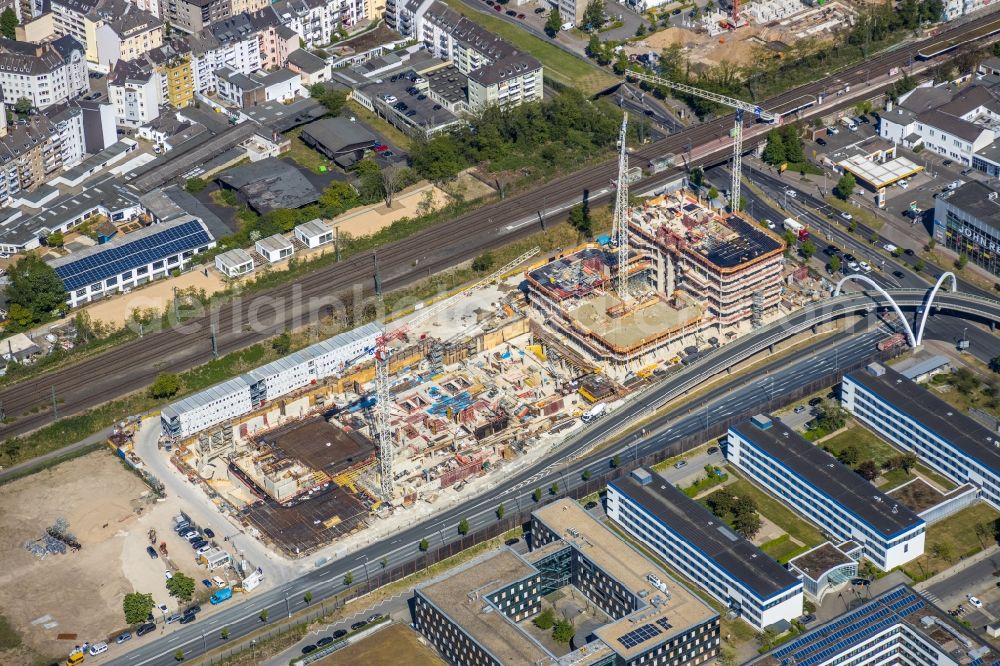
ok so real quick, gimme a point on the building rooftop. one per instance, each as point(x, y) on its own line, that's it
point(818, 561)
point(235, 257)
point(963, 129)
point(313, 228)
point(270, 184)
point(962, 432)
point(275, 243)
point(319, 445)
point(675, 614)
point(878, 174)
point(922, 367)
point(283, 117)
point(743, 561)
point(827, 475)
point(339, 134)
point(171, 203)
point(306, 61)
point(977, 200)
point(508, 68)
point(899, 606)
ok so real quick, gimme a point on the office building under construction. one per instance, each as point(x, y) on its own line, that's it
point(692, 272)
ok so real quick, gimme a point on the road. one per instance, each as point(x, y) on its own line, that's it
point(740, 396)
point(952, 590)
point(342, 287)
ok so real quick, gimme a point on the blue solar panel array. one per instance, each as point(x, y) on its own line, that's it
point(663, 623)
point(130, 255)
point(851, 629)
point(639, 635)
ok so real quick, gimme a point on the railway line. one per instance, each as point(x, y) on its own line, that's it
point(245, 321)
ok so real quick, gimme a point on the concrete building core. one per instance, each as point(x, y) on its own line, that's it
point(691, 270)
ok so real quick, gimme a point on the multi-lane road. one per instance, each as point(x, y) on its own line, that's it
point(103, 377)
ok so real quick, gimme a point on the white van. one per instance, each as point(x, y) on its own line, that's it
point(98, 648)
point(567, 26)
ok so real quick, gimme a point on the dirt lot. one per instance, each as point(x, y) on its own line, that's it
point(396, 644)
point(82, 592)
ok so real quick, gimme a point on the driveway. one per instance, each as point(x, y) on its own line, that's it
point(695, 467)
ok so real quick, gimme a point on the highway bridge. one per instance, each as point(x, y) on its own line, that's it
point(767, 387)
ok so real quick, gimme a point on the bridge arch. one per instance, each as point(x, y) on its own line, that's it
point(867, 280)
point(930, 301)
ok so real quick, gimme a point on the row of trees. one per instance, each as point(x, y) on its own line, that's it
point(740, 511)
point(784, 145)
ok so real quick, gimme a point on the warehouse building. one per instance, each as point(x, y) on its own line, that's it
point(914, 419)
point(830, 494)
point(471, 614)
point(701, 546)
point(131, 260)
point(240, 396)
point(897, 627)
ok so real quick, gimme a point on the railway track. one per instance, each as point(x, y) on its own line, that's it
point(243, 322)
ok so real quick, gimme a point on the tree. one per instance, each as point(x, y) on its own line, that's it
point(984, 531)
point(23, 106)
point(747, 524)
point(282, 343)
point(907, 461)
point(554, 488)
point(849, 455)
point(586, 475)
point(500, 511)
point(834, 263)
point(338, 197)
point(774, 151)
point(423, 545)
point(307, 597)
point(641, 30)
point(807, 249)
point(437, 160)
point(537, 495)
point(181, 586)
point(333, 100)
point(463, 527)
point(868, 470)
point(55, 239)
point(941, 551)
point(713, 193)
point(545, 620)
point(844, 187)
point(863, 107)
point(995, 364)
point(195, 185)
point(348, 579)
point(263, 615)
point(166, 385)
point(179, 655)
point(792, 142)
point(962, 261)
point(34, 285)
point(563, 631)
point(483, 262)
point(579, 219)
point(393, 178)
point(137, 607)
point(553, 23)
point(616, 461)
point(697, 177)
point(369, 176)
point(594, 15)
point(931, 244)
point(225, 633)
point(8, 23)
point(918, 265)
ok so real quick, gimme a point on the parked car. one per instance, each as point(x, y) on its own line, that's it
point(162, 608)
point(815, 401)
point(389, 99)
point(821, 141)
point(806, 619)
point(124, 637)
point(520, 17)
point(209, 532)
point(168, 574)
point(947, 163)
point(145, 629)
point(799, 409)
point(326, 640)
point(374, 618)
point(358, 625)
point(904, 183)
point(975, 601)
point(510, 12)
point(540, 10)
point(176, 617)
point(590, 505)
point(889, 247)
point(192, 610)
point(340, 633)
point(151, 552)
point(206, 582)
point(188, 619)
point(680, 463)
point(195, 545)
point(190, 533)
point(308, 649)
point(203, 550)
point(712, 450)
point(511, 542)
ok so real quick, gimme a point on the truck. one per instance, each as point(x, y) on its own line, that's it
point(797, 228)
point(594, 413)
point(221, 595)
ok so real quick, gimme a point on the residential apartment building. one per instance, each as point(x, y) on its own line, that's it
point(471, 613)
point(814, 484)
point(967, 221)
point(44, 74)
point(276, 41)
point(914, 419)
point(960, 124)
point(122, 31)
point(704, 549)
point(136, 92)
point(33, 153)
point(956, 8)
point(172, 62)
point(195, 15)
point(317, 21)
point(510, 82)
point(896, 627)
point(233, 42)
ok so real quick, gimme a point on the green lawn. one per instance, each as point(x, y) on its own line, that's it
point(869, 445)
point(942, 481)
point(383, 127)
point(783, 548)
point(559, 65)
point(303, 155)
point(892, 479)
point(951, 539)
point(776, 511)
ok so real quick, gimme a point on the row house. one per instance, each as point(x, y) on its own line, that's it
point(45, 74)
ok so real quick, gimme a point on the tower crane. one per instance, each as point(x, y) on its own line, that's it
point(619, 229)
point(739, 105)
point(383, 390)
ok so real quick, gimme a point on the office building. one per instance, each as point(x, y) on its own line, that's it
point(897, 627)
point(967, 221)
point(703, 548)
point(814, 484)
point(914, 419)
point(472, 614)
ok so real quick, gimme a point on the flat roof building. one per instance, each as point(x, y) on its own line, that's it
point(472, 615)
point(339, 139)
point(234, 263)
point(275, 248)
point(825, 567)
point(269, 184)
point(314, 233)
point(916, 420)
point(703, 548)
point(830, 494)
point(898, 626)
point(967, 221)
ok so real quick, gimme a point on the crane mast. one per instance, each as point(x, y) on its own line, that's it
point(621, 213)
point(739, 105)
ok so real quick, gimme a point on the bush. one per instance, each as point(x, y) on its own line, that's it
point(166, 385)
point(195, 185)
point(545, 620)
point(563, 631)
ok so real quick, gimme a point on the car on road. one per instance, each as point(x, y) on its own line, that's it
point(145, 629)
point(975, 601)
point(769, 224)
point(680, 464)
point(799, 409)
point(326, 640)
point(821, 141)
point(308, 649)
point(908, 252)
point(863, 265)
point(898, 274)
point(831, 250)
point(358, 625)
point(847, 216)
point(124, 637)
point(852, 265)
point(511, 542)
point(790, 193)
point(209, 532)
point(151, 552)
point(340, 633)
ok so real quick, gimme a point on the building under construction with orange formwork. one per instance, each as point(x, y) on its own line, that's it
point(691, 271)
point(304, 456)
